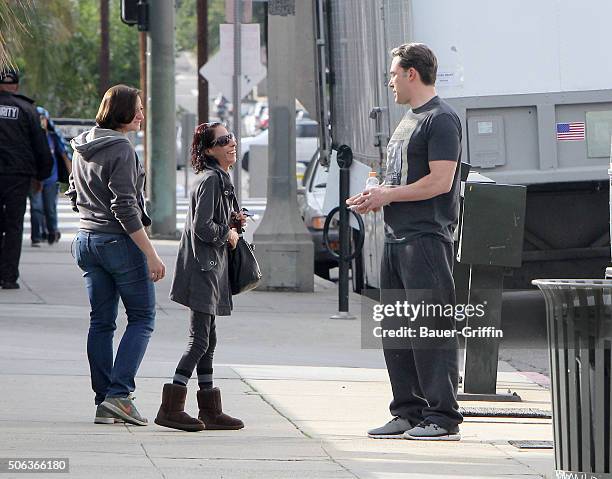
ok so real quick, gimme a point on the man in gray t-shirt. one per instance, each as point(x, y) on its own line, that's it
point(420, 199)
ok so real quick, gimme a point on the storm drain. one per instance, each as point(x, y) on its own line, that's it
point(505, 412)
point(532, 444)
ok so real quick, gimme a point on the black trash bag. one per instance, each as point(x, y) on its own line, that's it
point(244, 272)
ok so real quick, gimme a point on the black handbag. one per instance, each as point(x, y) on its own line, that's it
point(244, 272)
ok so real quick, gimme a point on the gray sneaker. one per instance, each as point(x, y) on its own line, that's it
point(124, 408)
point(394, 429)
point(428, 431)
point(105, 417)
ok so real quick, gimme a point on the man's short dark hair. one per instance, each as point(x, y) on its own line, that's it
point(420, 57)
point(118, 107)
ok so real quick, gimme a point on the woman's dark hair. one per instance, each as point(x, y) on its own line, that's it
point(118, 107)
point(203, 138)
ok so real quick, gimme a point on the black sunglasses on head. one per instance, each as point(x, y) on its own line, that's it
point(223, 140)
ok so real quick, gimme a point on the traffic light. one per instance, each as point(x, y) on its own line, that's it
point(135, 12)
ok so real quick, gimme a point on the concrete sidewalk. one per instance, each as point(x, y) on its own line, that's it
point(304, 388)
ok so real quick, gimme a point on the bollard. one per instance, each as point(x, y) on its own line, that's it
point(345, 159)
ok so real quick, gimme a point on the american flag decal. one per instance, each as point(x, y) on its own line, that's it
point(573, 131)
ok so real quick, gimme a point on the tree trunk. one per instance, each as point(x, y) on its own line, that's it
point(202, 21)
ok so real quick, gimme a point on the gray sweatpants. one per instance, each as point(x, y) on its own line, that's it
point(423, 372)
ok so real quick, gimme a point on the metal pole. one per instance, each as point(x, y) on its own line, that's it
point(161, 124)
point(237, 96)
point(345, 159)
point(188, 124)
point(343, 265)
point(609, 269)
point(142, 43)
point(202, 13)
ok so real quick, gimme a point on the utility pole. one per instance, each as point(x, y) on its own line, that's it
point(142, 43)
point(202, 21)
point(104, 49)
point(161, 127)
point(237, 95)
point(284, 247)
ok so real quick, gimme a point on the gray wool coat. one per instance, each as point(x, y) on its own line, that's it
point(201, 280)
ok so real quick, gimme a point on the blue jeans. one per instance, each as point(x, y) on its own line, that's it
point(43, 212)
point(114, 267)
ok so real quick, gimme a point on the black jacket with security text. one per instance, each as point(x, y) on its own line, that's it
point(24, 150)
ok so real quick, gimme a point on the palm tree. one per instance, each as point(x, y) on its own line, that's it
point(12, 28)
point(48, 24)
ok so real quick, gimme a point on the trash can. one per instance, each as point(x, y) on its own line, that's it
point(579, 320)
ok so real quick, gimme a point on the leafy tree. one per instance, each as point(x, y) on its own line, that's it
point(59, 52)
point(11, 28)
point(186, 23)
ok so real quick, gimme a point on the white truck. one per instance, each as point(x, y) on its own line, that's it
point(531, 82)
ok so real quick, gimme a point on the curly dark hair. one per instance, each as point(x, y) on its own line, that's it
point(203, 138)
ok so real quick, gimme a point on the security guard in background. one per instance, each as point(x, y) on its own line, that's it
point(24, 156)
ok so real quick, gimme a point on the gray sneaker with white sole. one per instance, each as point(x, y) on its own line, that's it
point(428, 431)
point(124, 408)
point(105, 417)
point(394, 429)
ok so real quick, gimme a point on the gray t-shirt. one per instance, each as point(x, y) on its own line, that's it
point(431, 132)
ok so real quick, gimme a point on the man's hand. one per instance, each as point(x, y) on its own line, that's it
point(372, 199)
point(37, 185)
point(233, 238)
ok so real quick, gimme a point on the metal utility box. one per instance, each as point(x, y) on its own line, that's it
point(487, 141)
point(492, 225)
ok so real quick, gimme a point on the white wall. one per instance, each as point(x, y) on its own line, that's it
point(492, 47)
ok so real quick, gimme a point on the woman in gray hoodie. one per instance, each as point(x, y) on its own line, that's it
point(114, 251)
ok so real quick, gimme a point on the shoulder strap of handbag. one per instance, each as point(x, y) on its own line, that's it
point(234, 200)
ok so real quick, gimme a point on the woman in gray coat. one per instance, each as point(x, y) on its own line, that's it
point(201, 280)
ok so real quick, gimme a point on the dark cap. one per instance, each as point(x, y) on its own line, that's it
point(9, 76)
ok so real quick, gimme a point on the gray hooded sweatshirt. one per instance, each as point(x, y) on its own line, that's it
point(107, 183)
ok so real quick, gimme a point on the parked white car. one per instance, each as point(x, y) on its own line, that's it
point(306, 143)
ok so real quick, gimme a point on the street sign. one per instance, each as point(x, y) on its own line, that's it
point(218, 82)
point(250, 49)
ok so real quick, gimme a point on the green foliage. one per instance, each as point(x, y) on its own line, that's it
point(186, 23)
point(59, 56)
point(11, 28)
point(56, 44)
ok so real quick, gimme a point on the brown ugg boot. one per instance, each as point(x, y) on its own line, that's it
point(172, 410)
point(211, 413)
